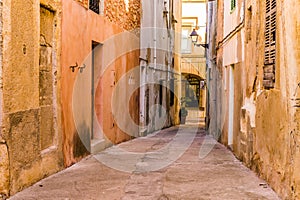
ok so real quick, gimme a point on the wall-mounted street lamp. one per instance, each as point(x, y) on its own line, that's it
point(194, 35)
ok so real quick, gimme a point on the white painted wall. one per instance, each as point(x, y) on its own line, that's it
point(231, 20)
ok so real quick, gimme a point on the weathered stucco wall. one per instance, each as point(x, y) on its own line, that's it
point(4, 162)
point(271, 141)
point(275, 131)
point(157, 53)
point(290, 60)
point(79, 32)
point(177, 12)
point(24, 128)
point(266, 122)
point(104, 96)
point(216, 81)
point(85, 3)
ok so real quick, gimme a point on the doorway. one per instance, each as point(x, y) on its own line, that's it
point(231, 106)
point(96, 106)
point(96, 111)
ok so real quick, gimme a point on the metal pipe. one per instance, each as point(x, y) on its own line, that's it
point(154, 34)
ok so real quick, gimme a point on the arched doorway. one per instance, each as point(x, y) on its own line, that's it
point(193, 96)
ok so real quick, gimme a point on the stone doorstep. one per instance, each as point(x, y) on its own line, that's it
point(98, 145)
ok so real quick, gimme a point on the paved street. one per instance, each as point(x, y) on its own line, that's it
point(219, 175)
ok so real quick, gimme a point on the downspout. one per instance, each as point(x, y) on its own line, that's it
point(143, 81)
point(154, 35)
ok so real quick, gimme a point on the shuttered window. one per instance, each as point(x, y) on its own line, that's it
point(270, 45)
point(232, 5)
point(94, 5)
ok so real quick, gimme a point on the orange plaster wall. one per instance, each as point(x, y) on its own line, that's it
point(103, 97)
point(79, 28)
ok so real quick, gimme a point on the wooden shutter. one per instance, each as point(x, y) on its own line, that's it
point(270, 44)
point(233, 4)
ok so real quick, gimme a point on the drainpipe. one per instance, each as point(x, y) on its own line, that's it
point(154, 34)
point(143, 81)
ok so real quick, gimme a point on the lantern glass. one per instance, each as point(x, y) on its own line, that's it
point(194, 35)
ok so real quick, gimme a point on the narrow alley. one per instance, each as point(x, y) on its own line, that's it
point(150, 99)
point(217, 176)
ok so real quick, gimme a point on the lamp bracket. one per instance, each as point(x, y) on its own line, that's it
point(202, 45)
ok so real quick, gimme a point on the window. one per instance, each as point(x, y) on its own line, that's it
point(94, 6)
point(270, 44)
point(186, 41)
point(232, 5)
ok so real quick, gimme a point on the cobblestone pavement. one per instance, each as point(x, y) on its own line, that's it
point(217, 176)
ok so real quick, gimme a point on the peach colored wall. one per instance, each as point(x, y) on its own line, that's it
point(80, 27)
point(103, 97)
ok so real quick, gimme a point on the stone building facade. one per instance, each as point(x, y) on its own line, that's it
point(193, 59)
point(254, 75)
point(30, 142)
point(160, 65)
point(100, 46)
point(41, 40)
point(102, 54)
point(70, 77)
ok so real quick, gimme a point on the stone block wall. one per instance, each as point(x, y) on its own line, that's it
point(126, 16)
point(4, 170)
point(4, 162)
point(46, 83)
point(30, 146)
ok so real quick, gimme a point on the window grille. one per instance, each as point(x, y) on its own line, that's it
point(94, 6)
point(270, 44)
